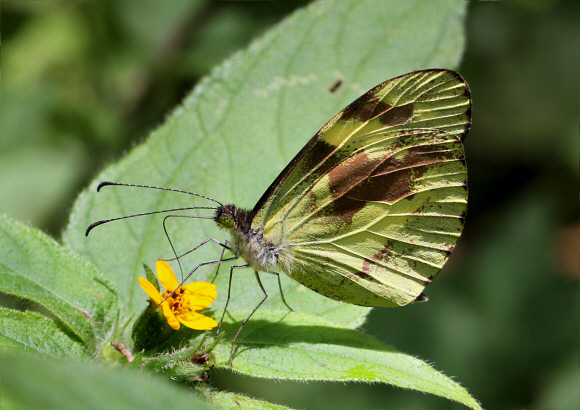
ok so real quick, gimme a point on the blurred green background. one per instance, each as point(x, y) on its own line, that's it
point(85, 81)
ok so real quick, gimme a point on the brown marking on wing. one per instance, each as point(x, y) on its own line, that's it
point(393, 178)
point(381, 256)
point(343, 178)
point(320, 151)
point(364, 109)
point(385, 188)
point(347, 174)
point(372, 108)
point(360, 179)
point(346, 208)
point(397, 115)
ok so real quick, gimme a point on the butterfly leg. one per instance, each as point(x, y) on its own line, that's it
point(229, 291)
point(282, 293)
point(221, 258)
point(249, 316)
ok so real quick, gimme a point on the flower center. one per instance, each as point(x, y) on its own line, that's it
point(175, 300)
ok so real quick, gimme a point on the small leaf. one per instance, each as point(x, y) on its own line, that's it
point(36, 268)
point(152, 278)
point(298, 346)
point(41, 383)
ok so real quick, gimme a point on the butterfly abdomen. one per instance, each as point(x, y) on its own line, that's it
point(261, 255)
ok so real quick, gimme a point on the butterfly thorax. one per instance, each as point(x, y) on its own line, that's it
point(261, 254)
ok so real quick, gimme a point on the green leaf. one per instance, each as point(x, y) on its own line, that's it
point(36, 383)
point(239, 128)
point(150, 276)
point(297, 346)
point(36, 333)
point(35, 267)
point(232, 401)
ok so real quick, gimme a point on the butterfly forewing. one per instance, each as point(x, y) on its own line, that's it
point(372, 206)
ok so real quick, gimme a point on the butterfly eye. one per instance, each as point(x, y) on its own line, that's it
point(227, 221)
point(225, 217)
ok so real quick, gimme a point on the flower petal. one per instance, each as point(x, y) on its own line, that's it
point(199, 295)
point(169, 316)
point(166, 275)
point(204, 288)
point(197, 321)
point(150, 290)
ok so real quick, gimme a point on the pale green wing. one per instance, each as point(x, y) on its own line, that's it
point(372, 206)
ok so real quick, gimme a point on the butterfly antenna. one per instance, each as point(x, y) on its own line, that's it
point(107, 183)
point(104, 221)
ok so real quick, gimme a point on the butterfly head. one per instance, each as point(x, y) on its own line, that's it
point(231, 218)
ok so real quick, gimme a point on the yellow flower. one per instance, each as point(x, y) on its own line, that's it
point(183, 304)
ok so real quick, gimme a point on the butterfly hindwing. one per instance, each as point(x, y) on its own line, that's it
point(372, 206)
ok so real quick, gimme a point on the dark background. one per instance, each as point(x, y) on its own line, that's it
point(85, 81)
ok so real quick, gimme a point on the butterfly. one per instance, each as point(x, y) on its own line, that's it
point(370, 209)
